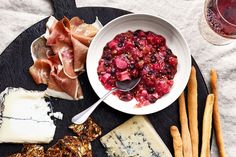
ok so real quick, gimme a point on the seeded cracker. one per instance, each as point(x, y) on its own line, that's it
point(54, 151)
point(88, 129)
point(16, 155)
point(76, 146)
point(30, 150)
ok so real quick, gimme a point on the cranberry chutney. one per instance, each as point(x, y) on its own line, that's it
point(138, 54)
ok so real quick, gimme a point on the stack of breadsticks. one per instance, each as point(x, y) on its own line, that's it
point(186, 144)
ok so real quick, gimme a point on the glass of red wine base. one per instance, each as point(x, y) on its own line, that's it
point(218, 25)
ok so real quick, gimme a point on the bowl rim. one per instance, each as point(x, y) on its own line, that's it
point(152, 16)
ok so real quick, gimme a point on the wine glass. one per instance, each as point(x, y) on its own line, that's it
point(218, 24)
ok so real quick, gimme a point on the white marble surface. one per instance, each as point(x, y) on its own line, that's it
point(17, 15)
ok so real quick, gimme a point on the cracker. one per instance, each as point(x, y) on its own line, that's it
point(88, 129)
point(33, 150)
point(16, 155)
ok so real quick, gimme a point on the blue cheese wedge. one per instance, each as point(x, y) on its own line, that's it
point(24, 117)
point(135, 138)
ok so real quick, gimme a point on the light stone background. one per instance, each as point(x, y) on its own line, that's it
point(17, 15)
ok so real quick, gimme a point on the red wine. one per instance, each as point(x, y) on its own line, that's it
point(221, 17)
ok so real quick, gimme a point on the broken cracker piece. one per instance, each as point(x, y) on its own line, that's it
point(76, 146)
point(88, 129)
point(30, 150)
point(33, 150)
point(54, 151)
point(16, 155)
point(70, 146)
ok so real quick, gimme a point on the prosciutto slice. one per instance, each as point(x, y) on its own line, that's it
point(59, 56)
point(67, 58)
point(80, 51)
point(40, 71)
point(69, 86)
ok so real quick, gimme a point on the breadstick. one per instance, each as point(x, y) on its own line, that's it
point(206, 126)
point(177, 141)
point(187, 146)
point(192, 111)
point(216, 115)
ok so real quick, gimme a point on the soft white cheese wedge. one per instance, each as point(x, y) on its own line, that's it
point(135, 138)
point(25, 117)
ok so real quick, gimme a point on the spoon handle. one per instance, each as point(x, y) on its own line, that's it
point(83, 116)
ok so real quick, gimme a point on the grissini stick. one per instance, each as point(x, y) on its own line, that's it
point(193, 111)
point(216, 115)
point(187, 146)
point(206, 126)
point(177, 141)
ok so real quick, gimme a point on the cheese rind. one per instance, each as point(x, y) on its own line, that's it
point(25, 117)
point(135, 138)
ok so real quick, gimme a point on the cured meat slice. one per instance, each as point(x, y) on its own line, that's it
point(66, 22)
point(80, 53)
point(75, 22)
point(59, 33)
point(66, 58)
point(61, 46)
point(70, 86)
point(59, 56)
point(42, 68)
point(51, 23)
point(55, 62)
point(83, 39)
point(80, 28)
point(58, 94)
point(50, 26)
point(39, 50)
point(86, 30)
point(40, 71)
point(53, 85)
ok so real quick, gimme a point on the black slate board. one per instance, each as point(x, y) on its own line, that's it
point(16, 60)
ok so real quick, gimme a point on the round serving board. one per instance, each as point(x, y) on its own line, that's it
point(16, 60)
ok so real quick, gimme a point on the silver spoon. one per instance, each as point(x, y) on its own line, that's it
point(124, 86)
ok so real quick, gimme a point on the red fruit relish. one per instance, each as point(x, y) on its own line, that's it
point(138, 54)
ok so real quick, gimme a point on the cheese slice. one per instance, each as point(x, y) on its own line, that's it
point(25, 118)
point(135, 138)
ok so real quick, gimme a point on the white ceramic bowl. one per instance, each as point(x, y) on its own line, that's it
point(175, 41)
